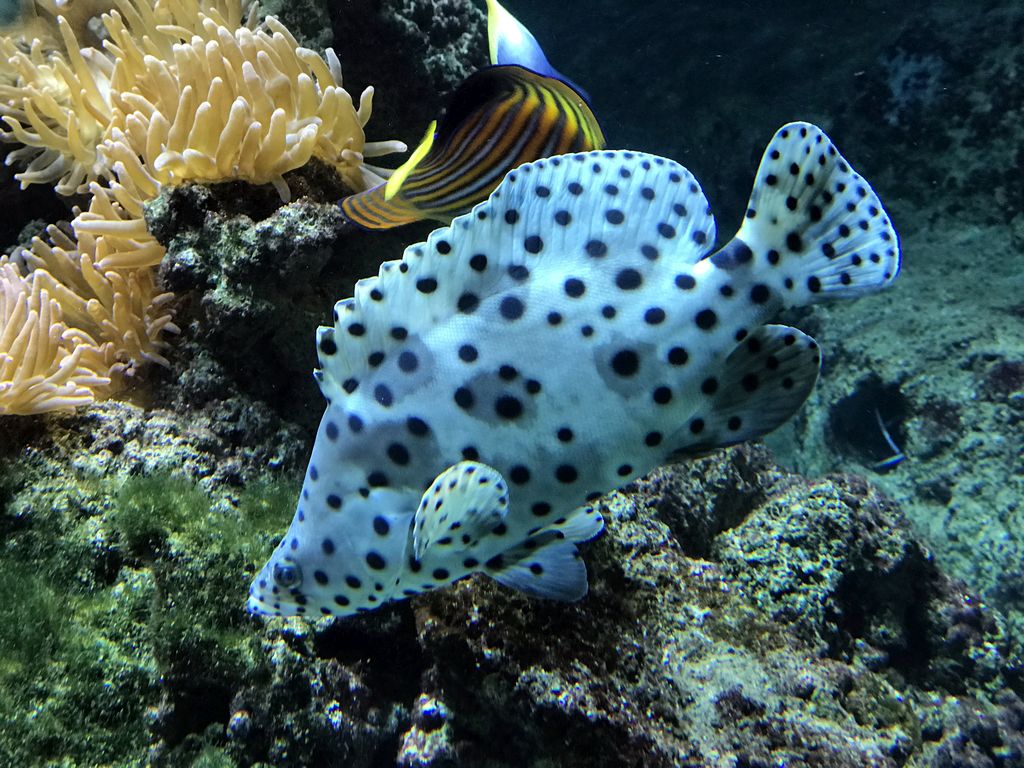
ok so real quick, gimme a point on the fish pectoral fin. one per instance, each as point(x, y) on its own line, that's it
point(463, 504)
point(401, 173)
point(763, 382)
point(547, 565)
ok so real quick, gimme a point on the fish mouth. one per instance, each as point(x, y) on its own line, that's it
point(256, 605)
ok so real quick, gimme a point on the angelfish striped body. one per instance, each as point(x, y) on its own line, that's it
point(498, 119)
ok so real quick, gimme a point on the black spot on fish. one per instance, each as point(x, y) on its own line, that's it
point(625, 362)
point(629, 279)
point(511, 308)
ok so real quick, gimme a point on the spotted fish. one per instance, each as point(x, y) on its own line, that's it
point(503, 116)
point(571, 333)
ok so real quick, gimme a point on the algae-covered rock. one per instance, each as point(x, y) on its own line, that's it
point(414, 53)
point(253, 279)
point(738, 614)
point(760, 653)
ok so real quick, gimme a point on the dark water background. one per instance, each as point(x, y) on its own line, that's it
point(708, 83)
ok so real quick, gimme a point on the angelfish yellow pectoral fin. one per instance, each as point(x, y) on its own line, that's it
point(402, 172)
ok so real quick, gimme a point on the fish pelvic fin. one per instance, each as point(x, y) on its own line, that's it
point(552, 569)
point(814, 224)
point(547, 564)
point(402, 172)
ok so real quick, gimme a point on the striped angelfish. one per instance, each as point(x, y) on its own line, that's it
point(499, 118)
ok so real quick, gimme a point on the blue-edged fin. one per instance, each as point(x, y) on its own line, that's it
point(763, 382)
point(465, 503)
point(817, 221)
point(510, 42)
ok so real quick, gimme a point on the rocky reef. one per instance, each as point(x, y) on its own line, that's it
point(762, 606)
point(738, 615)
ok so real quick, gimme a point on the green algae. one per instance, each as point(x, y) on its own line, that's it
point(120, 596)
point(212, 757)
point(32, 625)
point(71, 681)
point(148, 509)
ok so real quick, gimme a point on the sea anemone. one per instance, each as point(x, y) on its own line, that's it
point(179, 90)
point(44, 365)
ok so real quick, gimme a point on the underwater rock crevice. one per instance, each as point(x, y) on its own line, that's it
point(863, 423)
point(383, 647)
point(700, 499)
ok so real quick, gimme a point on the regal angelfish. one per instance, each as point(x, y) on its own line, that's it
point(518, 110)
point(570, 333)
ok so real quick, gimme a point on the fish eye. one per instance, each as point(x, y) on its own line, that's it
point(287, 575)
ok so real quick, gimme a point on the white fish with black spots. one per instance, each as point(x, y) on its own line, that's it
point(571, 333)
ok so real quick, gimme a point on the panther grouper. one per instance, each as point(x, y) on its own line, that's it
point(570, 333)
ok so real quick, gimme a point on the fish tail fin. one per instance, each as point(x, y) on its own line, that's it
point(814, 223)
point(372, 210)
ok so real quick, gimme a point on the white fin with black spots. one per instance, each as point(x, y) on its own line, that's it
point(547, 565)
point(582, 525)
point(762, 383)
point(466, 502)
point(589, 208)
point(816, 221)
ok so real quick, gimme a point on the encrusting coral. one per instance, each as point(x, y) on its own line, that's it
point(180, 90)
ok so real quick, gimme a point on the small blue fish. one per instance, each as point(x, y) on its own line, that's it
point(569, 334)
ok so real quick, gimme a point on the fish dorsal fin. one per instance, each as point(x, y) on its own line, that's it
point(589, 209)
point(510, 42)
point(465, 503)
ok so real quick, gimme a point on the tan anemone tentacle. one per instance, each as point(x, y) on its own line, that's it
point(169, 91)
